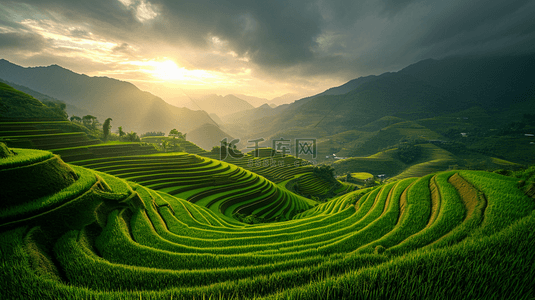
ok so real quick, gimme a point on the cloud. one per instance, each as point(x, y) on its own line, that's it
point(21, 41)
point(296, 41)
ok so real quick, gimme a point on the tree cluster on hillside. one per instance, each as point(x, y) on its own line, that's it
point(132, 137)
point(177, 134)
point(57, 106)
point(153, 133)
point(103, 131)
point(15, 104)
point(326, 173)
point(409, 152)
point(527, 122)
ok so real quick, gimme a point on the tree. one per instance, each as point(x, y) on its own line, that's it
point(57, 106)
point(153, 133)
point(177, 134)
point(89, 120)
point(132, 137)
point(165, 145)
point(120, 131)
point(325, 172)
point(76, 119)
point(173, 132)
point(106, 128)
point(408, 153)
point(215, 150)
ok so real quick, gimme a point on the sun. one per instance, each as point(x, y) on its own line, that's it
point(168, 70)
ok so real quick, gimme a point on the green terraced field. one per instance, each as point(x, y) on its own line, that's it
point(225, 189)
point(448, 235)
point(66, 139)
point(44, 135)
point(186, 146)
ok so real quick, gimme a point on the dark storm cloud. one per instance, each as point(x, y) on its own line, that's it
point(394, 6)
point(472, 15)
point(21, 41)
point(106, 11)
point(312, 38)
point(269, 32)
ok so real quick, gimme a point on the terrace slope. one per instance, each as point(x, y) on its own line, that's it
point(15, 104)
point(224, 188)
point(461, 232)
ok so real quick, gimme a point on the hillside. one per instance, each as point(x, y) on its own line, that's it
point(478, 96)
point(16, 105)
point(207, 136)
point(95, 236)
point(129, 107)
point(426, 89)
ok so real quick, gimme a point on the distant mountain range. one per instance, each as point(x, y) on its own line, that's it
point(256, 101)
point(219, 105)
point(503, 86)
point(131, 108)
point(430, 100)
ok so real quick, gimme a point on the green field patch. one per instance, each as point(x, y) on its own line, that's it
point(23, 157)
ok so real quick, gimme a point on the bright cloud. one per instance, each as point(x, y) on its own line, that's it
point(144, 10)
point(168, 70)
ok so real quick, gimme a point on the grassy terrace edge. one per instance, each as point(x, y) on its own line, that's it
point(115, 239)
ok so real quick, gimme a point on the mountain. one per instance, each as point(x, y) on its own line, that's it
point(131, 108)
point(254, 101)
point(426, 89)
point(250, 115)
point(221, 106)
point(284, 99)
point(17, 105)
point(207, 136)
point(350, 85)
point(257, 102)
point(216, 119)
point(70, 109)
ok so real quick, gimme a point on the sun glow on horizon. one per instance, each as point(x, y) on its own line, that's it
point(168, 70)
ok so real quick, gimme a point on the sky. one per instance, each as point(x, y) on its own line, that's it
point(255, 47)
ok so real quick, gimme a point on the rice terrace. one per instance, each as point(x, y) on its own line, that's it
point(161, 226)
point(155, 149)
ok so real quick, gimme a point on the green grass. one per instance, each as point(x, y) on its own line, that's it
point(85, 180)
point(34, 179)
point(449, 235)
point(361, 175)
point(24, 157)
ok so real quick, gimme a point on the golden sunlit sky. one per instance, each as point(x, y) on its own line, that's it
point(259, 48)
